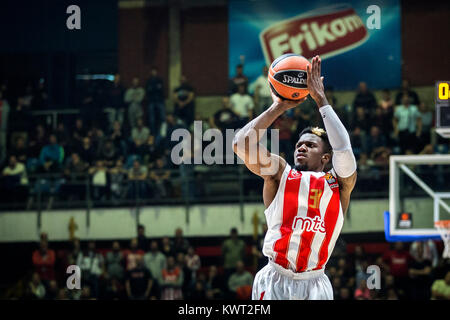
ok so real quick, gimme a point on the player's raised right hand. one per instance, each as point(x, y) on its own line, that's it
point(284, 104)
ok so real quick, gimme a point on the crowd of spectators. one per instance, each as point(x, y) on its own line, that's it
point(171, 269)
point(120, 139)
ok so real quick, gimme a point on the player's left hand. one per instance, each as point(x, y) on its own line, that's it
point(315, 82)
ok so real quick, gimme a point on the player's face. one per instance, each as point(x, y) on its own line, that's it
point(309, 153)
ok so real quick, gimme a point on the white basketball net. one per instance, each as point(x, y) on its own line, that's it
point(443, 227)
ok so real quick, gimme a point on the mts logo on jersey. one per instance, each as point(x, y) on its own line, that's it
point(309, 224)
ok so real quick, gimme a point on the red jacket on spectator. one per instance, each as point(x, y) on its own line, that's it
point(44, 264)
point(398, 262)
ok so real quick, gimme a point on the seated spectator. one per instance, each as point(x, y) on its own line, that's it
point(74, 174)
point(14, 180)
point(172, 281)
point(139, 135)
point(36, 289)
point(160, 179)
point(115, 261)
point(361, 120)
point(92, 267)
point(79, 132)
point(52, 292)
point(87, 151)
point(224, 118)
point(407, 124)
point(52, 155)
point(171, 124)
point(397, 262)
point(19, 150)
point(139, 282)
point(240, 279)
point(184, 97)
point(117, 137)
point(239, 79)
point(97, 137)
point(362, 292)
point(108, 153)
point(155, 261)
point(357, 137)
point(117, 176)
point(63, 136)
point(137, 177)
point(344, 294)
point(214, 284)
point(99, 174)
point(375, 141)
point(133, 254)
point(133, 98)
point(406, 89)
point(44, 261)
point(242, 105)
point(440, 290)
point(365, 99)
point(37, 141)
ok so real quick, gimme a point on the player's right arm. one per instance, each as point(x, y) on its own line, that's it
point(257, 158)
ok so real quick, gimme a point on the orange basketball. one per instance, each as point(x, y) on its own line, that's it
point(287, 76)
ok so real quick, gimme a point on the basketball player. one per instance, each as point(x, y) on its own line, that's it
point(305, 206)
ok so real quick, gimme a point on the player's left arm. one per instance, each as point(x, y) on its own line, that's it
point(344, 162)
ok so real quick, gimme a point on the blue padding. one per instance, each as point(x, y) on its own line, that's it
point(403, 238)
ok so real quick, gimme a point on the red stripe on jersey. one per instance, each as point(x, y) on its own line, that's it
point(262, 295)
point(290, 207)
point(330, 219)
point(316, 186)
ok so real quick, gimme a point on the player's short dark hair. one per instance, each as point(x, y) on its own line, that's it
point(323, 135)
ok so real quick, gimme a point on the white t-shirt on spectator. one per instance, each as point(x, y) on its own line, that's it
point(19, 169)
point(262, 85)
point(241, 104)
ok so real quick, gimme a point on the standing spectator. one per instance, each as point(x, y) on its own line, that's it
point(156, 107)
point(137, 177)
point(133, 254)
point(365, 99)
point(140, 135)
point(184, 102)
point(262, 94)
point(224, 118)
point(36, 289)
point(192, 262)
point(139, 282)
point(116, 100)
point(407, 125)
point(172, 281)
point(52, 155)
point(397, 263)
point(167, 247)
point(155, 261)
point(420, 275)
point(233, 250)
point(180, 244)
point(240, 282)
point(405, 89)
point(238, 79)
point(92, 266)
point(427, 118)
point(440, 290)
point(115, 261)
point(4, 116)
point(134, 97)
point(242, 104)
point(142, 239)
point(428, 249)
point(44, 261)
point(180, 261)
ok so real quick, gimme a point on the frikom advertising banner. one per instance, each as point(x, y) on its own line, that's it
point(357, 40)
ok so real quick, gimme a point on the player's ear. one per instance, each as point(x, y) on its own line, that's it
point(326, 158)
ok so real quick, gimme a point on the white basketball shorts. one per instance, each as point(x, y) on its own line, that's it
point(273, 282)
